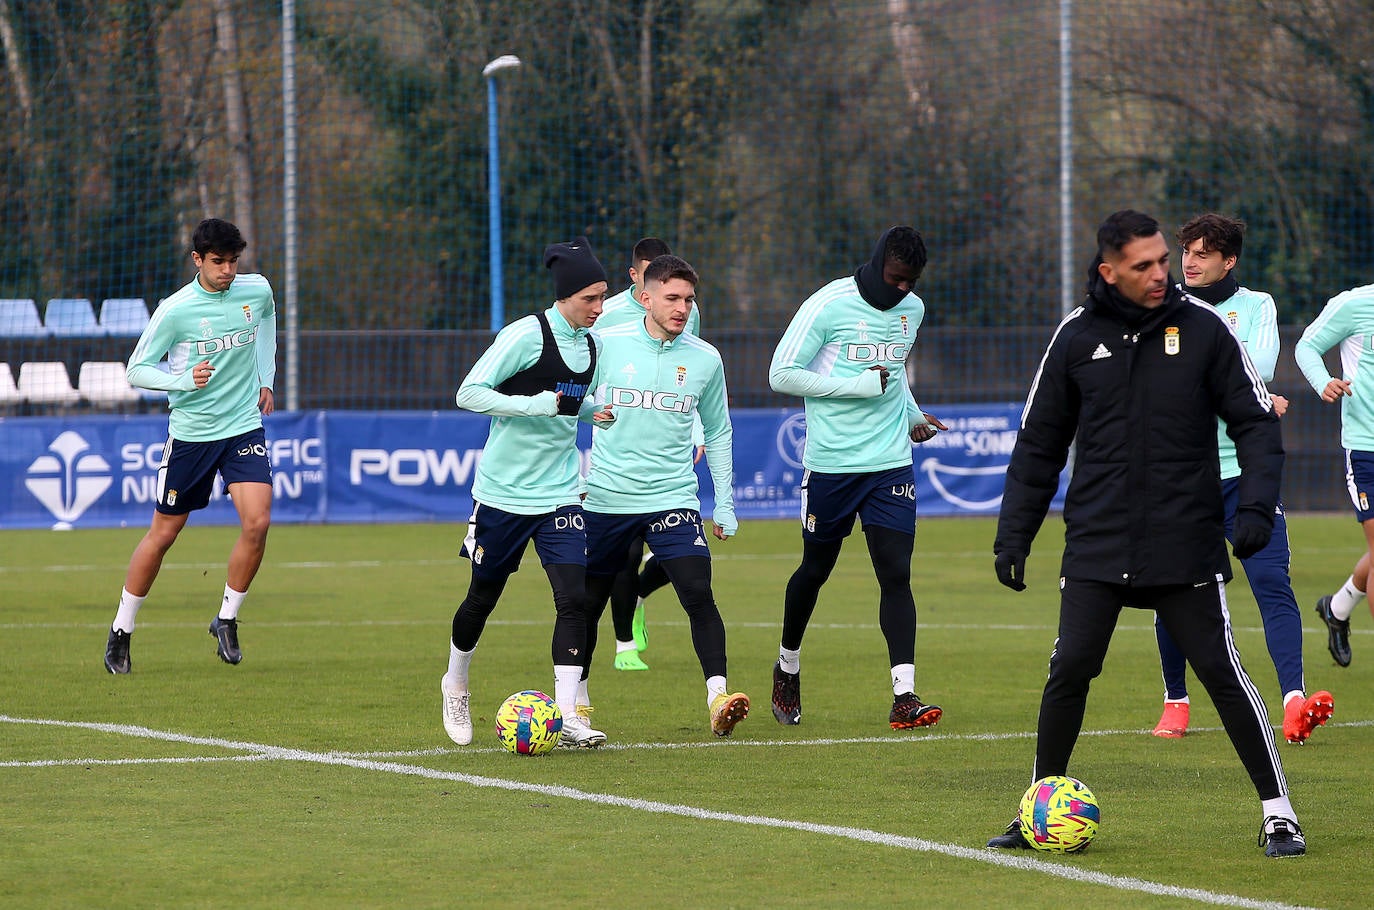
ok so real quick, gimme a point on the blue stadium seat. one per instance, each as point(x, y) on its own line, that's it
point(19, 319)
point(124, 316)
point(71, 317)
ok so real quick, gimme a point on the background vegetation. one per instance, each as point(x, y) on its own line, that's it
point(770, 142)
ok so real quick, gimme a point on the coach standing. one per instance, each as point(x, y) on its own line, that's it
point(1138, 375)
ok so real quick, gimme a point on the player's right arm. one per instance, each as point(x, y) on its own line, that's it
point(157, 339)
point(517, 347)
point(791, 370)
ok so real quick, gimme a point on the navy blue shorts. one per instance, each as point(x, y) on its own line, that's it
point(186, 477)
point(496, 540)
point(831, 502)
point(670, 535)
point(1359, 480)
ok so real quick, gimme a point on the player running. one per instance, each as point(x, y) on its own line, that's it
point(640, 577)
point(532, 381)
point(219, 334)
point(845, 354)
point(642, 483)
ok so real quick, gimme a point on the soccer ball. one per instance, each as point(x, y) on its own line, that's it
point(529, 723)
point(1059, 815)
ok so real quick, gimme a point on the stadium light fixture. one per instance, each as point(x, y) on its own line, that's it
point(498, 290)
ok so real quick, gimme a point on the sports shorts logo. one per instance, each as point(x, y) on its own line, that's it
point(572, 522)
point(673, 520)
point(69, 483)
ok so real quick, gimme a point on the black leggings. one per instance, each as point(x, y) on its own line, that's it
point(890, 551)
point(569, 624)
point(690, 577)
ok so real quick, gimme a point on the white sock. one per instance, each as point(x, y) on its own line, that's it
point(458, 662)
point(1296, 693)
point(565, 680)
point(582, 697)
point(715, 686)
point(128, 609)
point(623, 646)
point(229, 609)
point(790, 660)
point(1278, 806)
point(1343, 602)
point(903, 679)
point(1176, 701)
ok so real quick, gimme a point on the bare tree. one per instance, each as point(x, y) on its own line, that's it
point(236, 123)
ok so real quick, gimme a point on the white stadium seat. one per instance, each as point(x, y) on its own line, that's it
point(9, 392)
point(45, 382)
point(103, 383)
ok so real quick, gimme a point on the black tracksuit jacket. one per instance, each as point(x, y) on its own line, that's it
point(1141, 390)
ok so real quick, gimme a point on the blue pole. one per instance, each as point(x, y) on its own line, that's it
point(498, 291)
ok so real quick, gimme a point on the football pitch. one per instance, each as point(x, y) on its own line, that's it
point(317, 772)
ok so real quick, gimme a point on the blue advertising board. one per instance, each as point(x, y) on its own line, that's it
point(358, 466)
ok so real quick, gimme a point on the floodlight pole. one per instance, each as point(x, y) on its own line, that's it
point(498, 290)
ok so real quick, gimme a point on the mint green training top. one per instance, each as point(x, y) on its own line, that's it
point(1347, 320)
point(234, 329)
point(530, 464)
point(1255, 321)
point(826, 356)
point(643, 462)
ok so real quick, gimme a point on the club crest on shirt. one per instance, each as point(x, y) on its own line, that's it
point(247, 313)
point(1234, 318)
point(681, 376)
point(1171, 340)
point(906, 327)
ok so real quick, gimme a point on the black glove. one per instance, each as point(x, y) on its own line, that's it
point(1011, 569)
point(1252, 531)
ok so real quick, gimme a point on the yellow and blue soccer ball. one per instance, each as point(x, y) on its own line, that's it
point(529, 723)
point(1059, 815)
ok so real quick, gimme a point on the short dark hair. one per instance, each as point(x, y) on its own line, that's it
point(215, 236)
point(1121, 228)
point(668, 267)
point(904, 244)
point(1217, 232)
point(650, 248)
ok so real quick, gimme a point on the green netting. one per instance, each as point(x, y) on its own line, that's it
point(768, 142)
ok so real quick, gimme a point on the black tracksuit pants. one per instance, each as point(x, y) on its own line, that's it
point(1197, 619)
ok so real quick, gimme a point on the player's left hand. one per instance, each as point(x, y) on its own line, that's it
point(604, 418)
point(699, 454)
point(1280, 405)
point(720, 533)
point(925, 431)
point(266, 402)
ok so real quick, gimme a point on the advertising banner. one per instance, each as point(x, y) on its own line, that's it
point(361, 466)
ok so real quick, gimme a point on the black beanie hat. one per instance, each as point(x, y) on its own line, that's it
point(574, 266)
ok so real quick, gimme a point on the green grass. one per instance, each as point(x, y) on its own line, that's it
point(353, 796)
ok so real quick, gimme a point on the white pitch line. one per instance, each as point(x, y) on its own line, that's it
point(863, 835)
